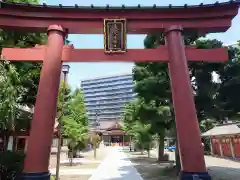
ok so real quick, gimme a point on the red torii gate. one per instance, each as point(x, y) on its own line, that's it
point(140, 20)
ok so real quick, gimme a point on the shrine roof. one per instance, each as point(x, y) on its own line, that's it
point(123, 7)
point(224, 129)
point(106, 124)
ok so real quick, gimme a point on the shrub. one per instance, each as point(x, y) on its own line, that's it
point(11, 164)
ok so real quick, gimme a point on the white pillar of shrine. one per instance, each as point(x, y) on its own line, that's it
point(220, 147)
point(211, 146)
point(232, 148)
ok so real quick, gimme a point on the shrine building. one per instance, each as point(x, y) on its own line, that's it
point(225, 140)
point(111, 133)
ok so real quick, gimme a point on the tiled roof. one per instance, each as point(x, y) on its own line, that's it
point(113, 132)
point(107, 124)
point(139, 6)
point(225, 129)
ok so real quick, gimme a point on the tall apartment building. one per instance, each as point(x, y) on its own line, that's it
point(106, 97)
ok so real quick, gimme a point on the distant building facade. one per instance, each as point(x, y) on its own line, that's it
point(106, 97)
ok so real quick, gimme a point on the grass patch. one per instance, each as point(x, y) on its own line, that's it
point(82, 166)
point(75, 177)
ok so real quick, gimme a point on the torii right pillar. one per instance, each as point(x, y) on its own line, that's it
point(189, 139)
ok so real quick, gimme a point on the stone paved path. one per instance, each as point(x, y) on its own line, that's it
point(116, 166)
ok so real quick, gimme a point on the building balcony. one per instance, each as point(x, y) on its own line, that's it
point(110, 84)
point(110, 93)
point(108, 89)
point(106, 80)
point(98, 99)
point(106, 113)
point(106, 104)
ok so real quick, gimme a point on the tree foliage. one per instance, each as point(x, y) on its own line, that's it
point(75, 122)
point(227, 98)
point(141, 119)
point(19, 80)
point(29, 73)
point(10, 94)
point(140, 132)
point(130, 117)
point(142, 135)
point(64, 99)
point(212, 98)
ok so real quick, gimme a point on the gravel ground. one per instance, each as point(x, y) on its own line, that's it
point(89, 164)
point(150, 169)
point(218, 168)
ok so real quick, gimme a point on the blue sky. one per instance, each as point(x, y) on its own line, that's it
point(79, 71)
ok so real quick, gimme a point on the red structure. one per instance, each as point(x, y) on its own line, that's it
point(59, 20)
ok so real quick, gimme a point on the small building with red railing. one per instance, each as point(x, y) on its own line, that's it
point(225, 140)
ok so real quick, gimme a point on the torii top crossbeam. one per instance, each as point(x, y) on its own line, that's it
point(60, 20)
point(141, 19)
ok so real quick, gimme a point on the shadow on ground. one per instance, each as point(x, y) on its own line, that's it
point(151, 169)
point(69, 164)
point(224, 173)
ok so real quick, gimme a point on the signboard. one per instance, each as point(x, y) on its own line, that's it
point(115, 35)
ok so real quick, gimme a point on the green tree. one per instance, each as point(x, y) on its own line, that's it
point(29, 72)
point(22, 77)
point(152, 79)
point(95, 141)
point(10, 94)
point(133, 126)
point(77, 108)
point(63, 105)
point(160, 118)
point(142, 136)
point(75, 123)
point(130, 117)
point(227, 98)
point(139, 113)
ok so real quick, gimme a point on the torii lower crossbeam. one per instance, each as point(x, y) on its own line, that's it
point(97, 55)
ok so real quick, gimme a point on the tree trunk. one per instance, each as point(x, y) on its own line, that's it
point(161, 147)
point(11, 130)
point(95, 151)
point(10, 143)
point(148, 151)
point(71, 158)
point(177, 158)
point(5, 142)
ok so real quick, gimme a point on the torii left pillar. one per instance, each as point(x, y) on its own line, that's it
point(40, 140)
